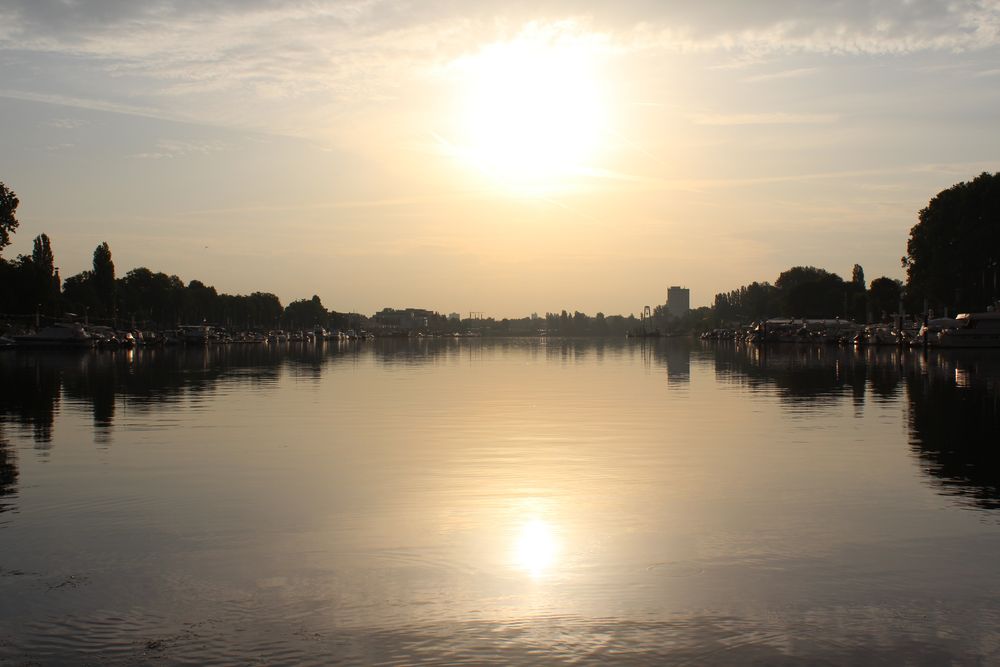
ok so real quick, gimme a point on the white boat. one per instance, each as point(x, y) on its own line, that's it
point(195, 334)
point(61, 334)
point(932, 328)
point(972, 330)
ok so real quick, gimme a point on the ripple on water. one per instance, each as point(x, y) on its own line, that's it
point(251, 636)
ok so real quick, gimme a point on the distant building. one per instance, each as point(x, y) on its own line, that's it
point(454, 317)
point(406, 319)
point(678, 301)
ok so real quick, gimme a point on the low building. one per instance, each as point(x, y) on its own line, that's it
point(406, 319)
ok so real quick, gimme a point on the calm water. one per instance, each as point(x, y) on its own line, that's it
point(500, 502)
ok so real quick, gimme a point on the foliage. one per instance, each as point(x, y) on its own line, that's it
point(8, 221)
point(41, 255)
point(801, 291)
point(103, 278)
point(304, 313)
point(751, 302)
point(953, 253)
point(79, 295)
point(858, 276)
point(151, 296)
point(884, 296)
point(811, 292)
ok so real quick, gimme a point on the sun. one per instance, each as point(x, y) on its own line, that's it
point(532, 113)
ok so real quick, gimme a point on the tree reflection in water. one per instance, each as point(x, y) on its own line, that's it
point(955, 424)
point(8, 474)
point(953, 399)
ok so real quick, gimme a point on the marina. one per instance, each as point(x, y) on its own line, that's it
point(967, 330)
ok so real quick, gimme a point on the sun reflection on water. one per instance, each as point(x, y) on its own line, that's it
point(536, 548)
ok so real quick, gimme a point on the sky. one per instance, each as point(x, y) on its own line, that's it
point(499, 157)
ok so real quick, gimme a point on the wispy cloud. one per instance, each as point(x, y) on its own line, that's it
point(170, 149)
point(784, 74)
point(281, 66)
point(775, 118)
point(65, 123)
point(84, 103)
point(848, 27)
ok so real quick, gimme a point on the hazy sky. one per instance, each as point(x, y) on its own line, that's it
point(505, 157)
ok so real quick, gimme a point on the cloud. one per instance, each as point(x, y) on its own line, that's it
point(170, 149)
point(83, 103)
point(287, 67)
point(64, 123)
point(848, 27)
point(784, 74)
point(775, 118)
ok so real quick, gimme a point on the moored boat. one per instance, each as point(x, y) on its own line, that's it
point(972, 330)
point(60, 334)
point(195, 334)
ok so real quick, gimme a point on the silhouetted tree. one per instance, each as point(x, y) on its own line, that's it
point(41, 255)
point(104, 279)
point(8, 221)
point(44, 283)
point(953, 253)
point(857, 295)
point(751, 302)
point(201, 303)
point(811, 292)
point(600, 325)
point(884, 294)
point(79, 295)
point(858, 276)
point(153, 296)
point(305, 313)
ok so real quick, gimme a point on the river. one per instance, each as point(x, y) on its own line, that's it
point(533, 501)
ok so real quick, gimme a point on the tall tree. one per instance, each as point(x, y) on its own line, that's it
point(953, 253)
point(8, 222)
point(104, 278)
point(857, 296)
point(884, 296)
point(858, 276)
point(41, 255)
point(45, 275)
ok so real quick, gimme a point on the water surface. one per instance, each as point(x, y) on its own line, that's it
point(521, 501)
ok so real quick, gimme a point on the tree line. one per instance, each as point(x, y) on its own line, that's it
point(952, 264)
point(807, 291)
point(30, 284)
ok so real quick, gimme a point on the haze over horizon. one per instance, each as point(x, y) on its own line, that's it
point(496, 157)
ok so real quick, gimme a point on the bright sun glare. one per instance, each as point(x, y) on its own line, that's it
point(533, 114)
point(536, 547)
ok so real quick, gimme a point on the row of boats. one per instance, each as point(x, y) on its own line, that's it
point(965, 330)
point(76, 335)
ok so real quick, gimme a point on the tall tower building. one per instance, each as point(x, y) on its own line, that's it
point(678, 301)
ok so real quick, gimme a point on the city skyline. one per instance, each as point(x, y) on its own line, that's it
point(506, 159)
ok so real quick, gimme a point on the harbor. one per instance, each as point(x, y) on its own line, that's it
point(966, 330)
